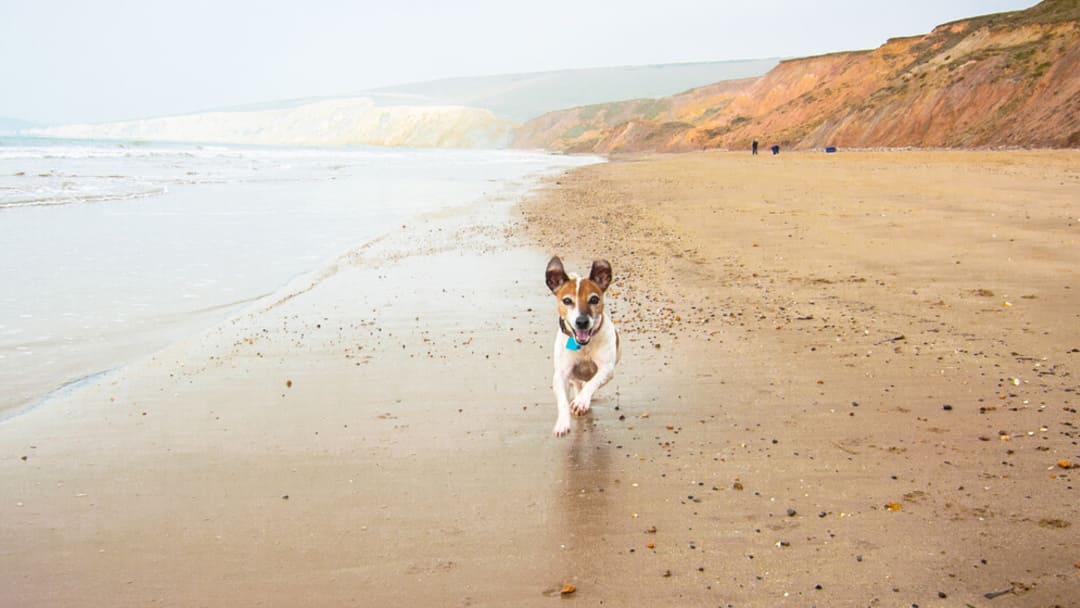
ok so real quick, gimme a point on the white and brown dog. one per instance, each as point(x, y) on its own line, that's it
point(587, 343)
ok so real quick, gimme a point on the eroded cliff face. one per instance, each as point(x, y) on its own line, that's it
point(1011, 79)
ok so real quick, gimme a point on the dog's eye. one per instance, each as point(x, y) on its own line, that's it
point(594, 300)
point(568, 301)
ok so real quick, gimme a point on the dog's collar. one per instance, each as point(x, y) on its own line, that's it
point(571, 342)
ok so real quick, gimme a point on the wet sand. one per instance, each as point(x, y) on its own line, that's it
point(848, 380)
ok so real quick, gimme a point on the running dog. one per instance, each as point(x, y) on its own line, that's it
point(587, 343)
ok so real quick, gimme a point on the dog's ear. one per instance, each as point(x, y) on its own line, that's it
point(601, 274)
point(555, 274)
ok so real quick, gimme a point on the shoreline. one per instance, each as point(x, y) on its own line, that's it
point(792, 338)
point(92, 307)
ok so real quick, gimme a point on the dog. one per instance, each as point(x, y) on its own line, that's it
point(586, 343)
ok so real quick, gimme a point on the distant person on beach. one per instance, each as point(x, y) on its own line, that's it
point(776, 149)
point(753, 148)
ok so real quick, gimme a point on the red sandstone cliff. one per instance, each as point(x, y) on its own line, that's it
point(1011, 79)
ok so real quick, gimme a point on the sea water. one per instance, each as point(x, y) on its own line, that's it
point(110, 250)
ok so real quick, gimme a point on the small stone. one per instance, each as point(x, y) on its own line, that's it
point(947, 407)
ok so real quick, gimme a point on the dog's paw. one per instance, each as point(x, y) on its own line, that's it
point(580, 405)
point(562, 427)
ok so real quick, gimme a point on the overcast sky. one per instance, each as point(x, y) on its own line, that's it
point(67, 61)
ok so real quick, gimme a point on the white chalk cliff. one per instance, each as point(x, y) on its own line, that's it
point(352, 121)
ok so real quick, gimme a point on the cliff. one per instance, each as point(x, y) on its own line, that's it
point(356, 121)
point(1010, 79)
point(521, 97)
point(456, 112)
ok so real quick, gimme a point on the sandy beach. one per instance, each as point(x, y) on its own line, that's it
point(847, 380)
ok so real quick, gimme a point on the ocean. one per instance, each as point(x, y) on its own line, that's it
point(111, 250)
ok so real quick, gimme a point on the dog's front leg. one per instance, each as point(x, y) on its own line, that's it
point(583, 399)
point(560, 384)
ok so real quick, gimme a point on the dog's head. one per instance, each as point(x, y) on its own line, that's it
point(581, 301)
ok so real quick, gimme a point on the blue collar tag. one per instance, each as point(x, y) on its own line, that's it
point(571, 344)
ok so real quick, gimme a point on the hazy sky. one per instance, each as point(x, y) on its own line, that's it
point(100, 60)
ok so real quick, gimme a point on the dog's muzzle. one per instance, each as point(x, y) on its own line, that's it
point(582, 329)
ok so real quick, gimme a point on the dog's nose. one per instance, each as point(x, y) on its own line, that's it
point(582, 322)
